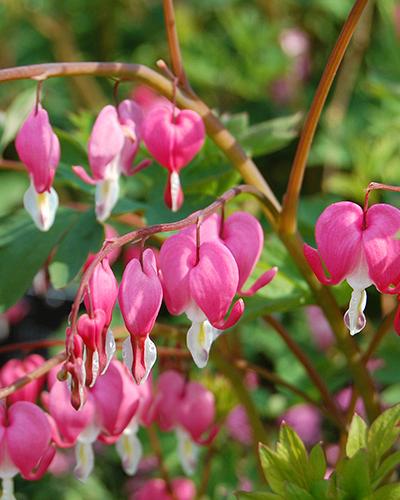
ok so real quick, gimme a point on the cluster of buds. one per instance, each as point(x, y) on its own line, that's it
point(198, 271)
point(171, 135)
point(116, 407)
point(361, 247)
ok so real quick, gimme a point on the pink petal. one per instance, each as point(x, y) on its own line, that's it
point(116, 397)
point(177, 257)
point(103, 290)
point(82, 174)
point(262, 281)
point(28, 436)
point(105, 142)
point(214, 280)
point(15, 369)
point(38, 148)
point(382, 246)
point(170, 390)
point(140, 294)
point(234, 316)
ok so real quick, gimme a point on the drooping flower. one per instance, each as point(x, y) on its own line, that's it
point(112, 147)
point(39, 149)
point(93, 327)
point(25, 443)
point(156, 489)
point(306, 420)
point(202, 282)
point(140, 297)
point(173, 137)
point(359, 247)
point(17, 368)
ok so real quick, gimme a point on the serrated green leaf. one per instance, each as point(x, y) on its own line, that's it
point(269, 136)
point(17, 112)
point(352, 477)
point(386, 467)
point(382, 434)
point(84, 236)
point(275, 470)
point(357, 437)
point(388, 492)
point(317, 463)
point(24, 249)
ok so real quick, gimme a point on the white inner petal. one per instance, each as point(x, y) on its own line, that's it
point(8, 489)
point(107, 193)
point(110, 349)
point(42, 207)
point(95, 367)
point(150, 356)
point(359, 278)
point(354, 317)
point(84, 460)
point(188, 452)
point(130, 450)
point(175, 184)
point(127, 353)
point(199, 339)
point(195, 314)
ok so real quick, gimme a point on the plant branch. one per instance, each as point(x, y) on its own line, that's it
point(384, 328)
point(309, 368)
point(288, 222)
point(156, 447)
point(173, 43)
point(30, 346)
point(33, 375)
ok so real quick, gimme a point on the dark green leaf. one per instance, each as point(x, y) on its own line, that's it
point(317, 463)
point(386, 467)
point(352, 477)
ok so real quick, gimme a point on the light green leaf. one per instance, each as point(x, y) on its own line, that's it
point(386, 467)
point(317, 463)
point(382, 435)
point(257, 495)
point(352, 477)
point(17, 112)
point(388, 492)
point(85, 236)
point(357, 437)
point(294, 492)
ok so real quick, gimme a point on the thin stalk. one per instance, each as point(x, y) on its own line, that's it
point(30, 346)
point(309, 368)
point(288, 222)
point(384, 328)
point(156, 447)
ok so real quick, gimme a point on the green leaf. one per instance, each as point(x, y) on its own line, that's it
point(294, 492)
point(382, 435)
point(23, 251)
point(386, 467)
point(17, 112)
point(257, 495)
point(388, 492)
point(352, 477)
point(275, 471)
point(317, 463)
point(357, 437)
point(85, 236)
point(269, 136)
point(236, 123)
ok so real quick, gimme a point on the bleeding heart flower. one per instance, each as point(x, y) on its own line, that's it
point(156, 489)
point(25, 443)
point(201, 282)
point(39, 149)
point(140, 297)
point(17, 368)
point(173, 137)
point(112, 147)
point(362, 248)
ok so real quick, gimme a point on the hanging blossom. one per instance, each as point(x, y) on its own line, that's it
point(18, 368)
point(113, 145)
point(110, 406)
point(157, 489)
point(39, 149)
point(361, 247)
point(25, 442)
point(202, 277)
point(173, 137)
point(140, 297)
point(189, 409)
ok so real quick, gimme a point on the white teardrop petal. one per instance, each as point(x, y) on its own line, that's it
point(127, 353)
point(188, 452)
point(8, 489)
point(110, 349)
point(42, 207)
point(130, 450)
point(175, 184)
point(84, 460)
point(354, 317)
point(106, 197)
point(199, 339)
point(150, 356)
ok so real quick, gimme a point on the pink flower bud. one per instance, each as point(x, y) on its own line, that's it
point(140, 297)
point(39, 149)
point(306, 420)
point(238, 425)
point(173, 137)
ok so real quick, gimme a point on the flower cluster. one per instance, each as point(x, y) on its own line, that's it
point(361, 247)
point(171, 135)
point(198, 271)
point(116, 407)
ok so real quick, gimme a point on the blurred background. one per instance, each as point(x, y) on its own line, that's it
point(257, 63)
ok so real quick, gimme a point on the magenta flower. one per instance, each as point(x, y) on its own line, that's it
point(25, 443)
point(156, 489)
point(306, 420)
point(140, 297)
point(360, 247)
point(39, 149)
point(93, 327)
point(17, 368)
point(112, 147)
point(173, 137)
point(201, 282)
point(238, 425)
